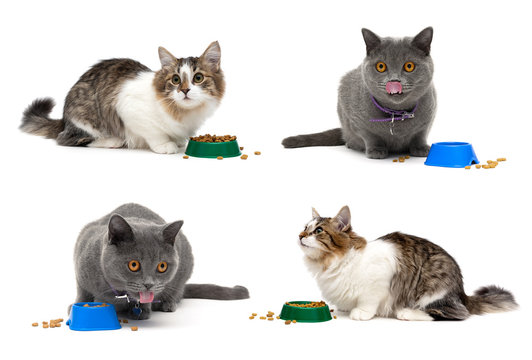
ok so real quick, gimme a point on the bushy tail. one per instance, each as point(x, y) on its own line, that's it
point(331, 137)
point(215, 292)
point(490, 299)
point(35, 119)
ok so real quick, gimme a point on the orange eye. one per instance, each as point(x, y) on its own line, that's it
point(134, 265)
point(381, 67)
point(162, 266)
point(409, 66)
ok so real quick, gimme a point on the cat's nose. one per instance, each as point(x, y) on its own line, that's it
point(302, 235)
point(185, 91)
point(148, 286)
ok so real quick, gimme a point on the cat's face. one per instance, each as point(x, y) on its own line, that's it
point(189, 83)
point(141, 259)
point(325, 238)
point(398, 70)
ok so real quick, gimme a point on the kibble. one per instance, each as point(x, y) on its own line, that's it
point(287, 322)
point(185, 156)
point(134, 328)
point(220, 157)
point(334, 316)
point(254, 314)
point(244, 157)
point(478, 166)
point(126, 321)
point(501, 159)
point(257, 152)
point(263, 318)
point(251, 317)
point(208, 138)
point(35, 324)
point(241, 148)
point(394, 160)
point(468, 167)
point(294, 321)
point(270, 318)
point(313, 304)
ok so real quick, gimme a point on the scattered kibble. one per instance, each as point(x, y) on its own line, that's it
point(126, 321)
point(287, 322)
point(220, 157)
point(244, 157)
point(478, 166)
point(241, 148)
point(257, 152)
point(35, 324)
point(185, 156)
point(394, 160)
point(45, 326)
point(263, 317)
point(270, 318)
point(254, 314)
point(334, 316)
point(468, 167)
point(407, 157)
point(294, 321)
point(251, 317)
point(208, 138)
point(501, 159)
point(134, 328)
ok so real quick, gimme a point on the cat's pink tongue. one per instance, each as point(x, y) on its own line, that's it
point(394, 87)
point(146, 297)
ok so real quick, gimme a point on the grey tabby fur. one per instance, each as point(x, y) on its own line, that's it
point(132, 232)
point(355, 107)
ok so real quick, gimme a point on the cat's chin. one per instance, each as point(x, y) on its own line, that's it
point(189, 104)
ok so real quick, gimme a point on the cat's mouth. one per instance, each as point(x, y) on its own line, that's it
point(146, 297)
point(394, 88)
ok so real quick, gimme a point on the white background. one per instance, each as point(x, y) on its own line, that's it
point(283, 62)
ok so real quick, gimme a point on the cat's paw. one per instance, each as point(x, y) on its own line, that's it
point(168, 306)
point(361, 314)
point(420, 150)
point(377, 153)
point(166, 148)
point(413, 315)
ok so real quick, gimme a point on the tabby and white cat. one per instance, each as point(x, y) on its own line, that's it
point(122, 103)
point(397, 275)
point(387, 104)
point(135, 260)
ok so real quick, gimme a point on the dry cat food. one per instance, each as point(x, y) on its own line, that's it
point(402, 159)
point(490, 164)
point(314, 304)
point(134, 328)
point(185, 156)
point(102, 305)
point(244, 157)
point(208, 138)
point(220, 157)
point(257, 152)
point(54, 323)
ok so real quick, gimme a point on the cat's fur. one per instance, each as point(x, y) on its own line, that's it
point(122, 103)
point(397, 275)
point(132, 232)
point(356, 109)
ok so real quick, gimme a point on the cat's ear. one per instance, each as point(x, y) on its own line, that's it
point(343, 218)
point(167, 59)
point(119, 230)
point(170, 231)
point(423, 40)
point(315, 214)
point(371, 39)
point(212, 56)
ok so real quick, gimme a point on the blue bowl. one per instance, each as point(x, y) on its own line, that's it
point(451, 154)
point(89, 318)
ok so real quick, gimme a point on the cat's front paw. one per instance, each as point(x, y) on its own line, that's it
point(168, 306)
point(377, 153)
point(361, 314)
point(166, 148)
point(420, 150)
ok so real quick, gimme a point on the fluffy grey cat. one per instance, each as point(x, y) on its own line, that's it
point(133, 259)
point(388, 103)
point(397, 275)
point(122, 103)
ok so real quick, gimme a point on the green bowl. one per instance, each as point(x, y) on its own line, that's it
point(309, 315)
point(213, 150)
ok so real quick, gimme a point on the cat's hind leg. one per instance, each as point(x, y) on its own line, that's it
point(109, 142)
point(73, 136)
point(413, 315)
point(448, 308)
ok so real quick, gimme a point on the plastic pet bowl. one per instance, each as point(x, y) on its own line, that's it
point(308, 315)
point(89, 318)
point(451, 154)
point(213, 150)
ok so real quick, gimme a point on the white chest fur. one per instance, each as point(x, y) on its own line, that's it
point(359, 275)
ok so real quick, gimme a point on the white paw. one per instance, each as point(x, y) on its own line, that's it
point(111, 142)
point(413, 315)
point(166, 148)
point(360, 314)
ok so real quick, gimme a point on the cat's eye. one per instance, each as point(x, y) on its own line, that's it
point(162, 266)
point(318, 230)
point(198, 78)
point(134, 265)
point(176, 80)
point(380, 66)
point(409, 66)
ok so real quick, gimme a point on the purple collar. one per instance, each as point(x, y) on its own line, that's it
point(396, 114)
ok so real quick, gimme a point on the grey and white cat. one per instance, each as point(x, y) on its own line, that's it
point(132, 251)
point(387, 104)
point(397, 275)
point(122, 103)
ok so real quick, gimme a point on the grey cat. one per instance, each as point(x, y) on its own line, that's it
point(133, 259)
point(387, 104)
